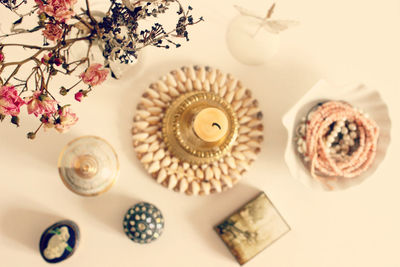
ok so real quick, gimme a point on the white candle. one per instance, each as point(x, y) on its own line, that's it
point(210, 124)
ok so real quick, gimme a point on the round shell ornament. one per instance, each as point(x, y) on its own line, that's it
point(59, 241)
point(197, 130)
point(88, 166)
point(143, 223)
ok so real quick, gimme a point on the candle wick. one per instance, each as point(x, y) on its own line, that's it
point(216, 124)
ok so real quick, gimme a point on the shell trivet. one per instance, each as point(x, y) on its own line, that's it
point(179, 144)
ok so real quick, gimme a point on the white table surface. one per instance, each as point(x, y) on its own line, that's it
point(341, 41)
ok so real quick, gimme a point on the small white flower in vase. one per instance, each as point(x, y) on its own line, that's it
point(253, 39)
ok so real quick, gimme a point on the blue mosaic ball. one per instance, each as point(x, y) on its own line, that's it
point(143, 223)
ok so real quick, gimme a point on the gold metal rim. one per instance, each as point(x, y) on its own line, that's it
point(63, 179)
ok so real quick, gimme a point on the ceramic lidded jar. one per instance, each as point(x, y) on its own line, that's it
point(143, 223)
point(88, 166)
point(59, 241)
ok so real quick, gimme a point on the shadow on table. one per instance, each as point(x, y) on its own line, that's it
point(216, 208)
point(25, 226)
point(109, 208)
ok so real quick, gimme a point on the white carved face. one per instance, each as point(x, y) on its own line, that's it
point(57, 244)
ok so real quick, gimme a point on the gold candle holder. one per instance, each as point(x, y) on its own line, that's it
point(181, 137)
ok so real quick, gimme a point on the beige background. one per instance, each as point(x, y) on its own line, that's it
point(342, 41)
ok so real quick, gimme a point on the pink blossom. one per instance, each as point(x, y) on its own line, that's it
point(1, 57)
point(53, 32)
point(61, 10)
point(78, 96)
point(94, 75)
point(66, 120)
point(10, 102)
point(41, 104)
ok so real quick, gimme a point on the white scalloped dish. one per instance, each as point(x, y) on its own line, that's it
point(357, 95)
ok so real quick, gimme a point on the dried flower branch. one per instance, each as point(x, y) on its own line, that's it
point(119, 35)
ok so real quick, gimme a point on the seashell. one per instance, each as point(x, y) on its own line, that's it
point(250, 154)
point(152, 129)
point(222, 91)
point(227, 180)
point(244, 129)
point(217, 172)
point(152, 93)
point(186, 165)
point(224, 168)
point(241, 147)
point(190, 173)
point(162, 174)
point(231, 162)
point(150, 139)
point(199, 174)
point(252, 111)
point(172, 182)
point(159, 103)
point(209, 173)
point(189, 85)
point(232, 84)
point(148, 157)
point(235, 174)
point(244, 120)
point(243, 164)
point(162, 87)
point(140, 136)
point(166, 162)
point(212, 75)
point(221, 79)
point(255, 133)
point(153, 119)
point(142, 148)
point(236, 105)
point(171, 80)
point(180, 75)
point(238, 155)
point(206, 86)
point(206, 187)
point(240, 93)
point(183, 185)
point(174, 166)
point(155, 110)
point(254, 123)
point(253, 143)
point(164, 97)
point(159, 154)
point(201, 74)
point(172, 91)
point(141, 124)
point(146, 102)
point(241, 112)
point(181, 87)
point(215, 88)
point(247, 102)
point(195, 188)
point(229, 96)
point(197, 84)
point(143, 113)
point(154, 146)
point(243, 139)
point(191, 73)
point(155, 166)
point(216, 185)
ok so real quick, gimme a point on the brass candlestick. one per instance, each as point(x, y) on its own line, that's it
point(179, 133)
